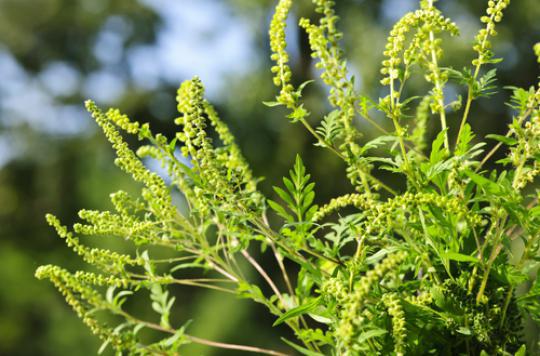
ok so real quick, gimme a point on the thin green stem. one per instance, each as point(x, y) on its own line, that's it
point(520, 121)
point(470, 97)
point(199, 340)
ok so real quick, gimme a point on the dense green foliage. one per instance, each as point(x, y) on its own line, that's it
point(445, 263)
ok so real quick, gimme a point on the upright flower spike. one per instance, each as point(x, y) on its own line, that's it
point(394, 47)
point(158, 197)
point(233, 159)
point(106, 260)
point(85, 301)
point(351, 313)
point(323, 39)
point(423, 49)
point(278, 45)
point(482, 45)
point(418, 136)
point(399, 332)
point(197, 145)
point(223, 170)
point(525, 153)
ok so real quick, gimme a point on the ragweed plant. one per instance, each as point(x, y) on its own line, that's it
point(444, 264)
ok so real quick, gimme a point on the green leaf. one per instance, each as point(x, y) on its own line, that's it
point(172, 144)
point(371, 334)
point(301, 349)
point(295, 312)
point(483, 182)
point(510, 141)
point(185, 265)
point(522, 351)
point(284, 196)
point(485, 86)
point(465, 139)
point(438, 153)
point(330, 127)
point(280, 210)
point(298, 114)
point(463, 330)
point(377, 142)
point(271, 104)
point(302, 86)
point(300, 196)
point(455, 256)
point(103, 346)
point(289, 185)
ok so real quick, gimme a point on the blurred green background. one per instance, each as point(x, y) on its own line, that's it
point(132, 55)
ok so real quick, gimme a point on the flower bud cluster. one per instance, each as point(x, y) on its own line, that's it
point(334, 71)
point(126, 226)
point(335, 288)
point(353, 306)
point(223, 171)
point(158, 196)
point(526, 150)
point(399, 332)
point(278, 46)
point(329, 19)
point(482, 44)
point(106, 260)
point(409, 202)
point(197, 145)
point(418, 136)
point(423, 299)
point(231, 156)
point(84, 300)
point(357, 200)
point(395, 46)
point(424, 21)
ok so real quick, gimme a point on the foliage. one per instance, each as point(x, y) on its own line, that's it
point(444, 264)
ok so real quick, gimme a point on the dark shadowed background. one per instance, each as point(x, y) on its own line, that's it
point(133, 55)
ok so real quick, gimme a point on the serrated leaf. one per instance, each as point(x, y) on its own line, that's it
point(377, 142)
point(438, 153)
point(289, 185)
point(298, 114)
point(280, 210)
point(464, 140)
point(284, 196)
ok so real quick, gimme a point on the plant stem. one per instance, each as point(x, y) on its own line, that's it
point(199, 340)
point(265, 275)
point(521, 119)
point(223, 345)
point(440, 97)
point(470, 89)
